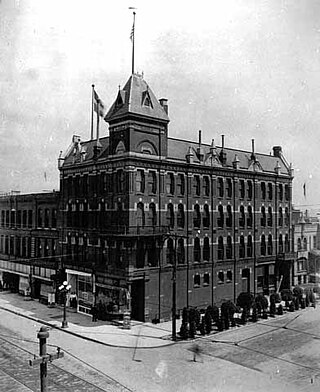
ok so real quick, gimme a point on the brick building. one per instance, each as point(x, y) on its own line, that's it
point(29, 242)
point(138, 205)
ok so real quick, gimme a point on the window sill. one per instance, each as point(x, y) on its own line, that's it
point(196, 286)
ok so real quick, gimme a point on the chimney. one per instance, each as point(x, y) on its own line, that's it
point(200, 152)
point(253, 156)
point(223, 155)
point(277, 151)
point(236, 162)
point(164, 103)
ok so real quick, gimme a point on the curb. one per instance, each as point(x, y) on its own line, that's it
point(40, 321)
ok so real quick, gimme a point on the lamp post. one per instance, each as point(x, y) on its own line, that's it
point(64, 288)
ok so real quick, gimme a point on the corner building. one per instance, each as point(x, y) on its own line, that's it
point(138, 206)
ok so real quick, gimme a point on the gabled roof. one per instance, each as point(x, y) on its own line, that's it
point(137, 98)
point(83, 152)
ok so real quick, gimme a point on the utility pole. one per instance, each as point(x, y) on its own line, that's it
point(174, 279)
point(44, 358)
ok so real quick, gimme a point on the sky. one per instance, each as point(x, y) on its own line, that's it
point(247, 69)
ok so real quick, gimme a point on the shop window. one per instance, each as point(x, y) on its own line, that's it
point(220, 277)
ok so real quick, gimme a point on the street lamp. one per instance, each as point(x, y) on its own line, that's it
point(64, 289)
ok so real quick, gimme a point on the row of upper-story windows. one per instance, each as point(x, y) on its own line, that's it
point(46, 217)
point(21, 246)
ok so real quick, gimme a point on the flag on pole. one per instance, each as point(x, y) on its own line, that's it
point(132, 33)
point(304, 190)
point(98, 105)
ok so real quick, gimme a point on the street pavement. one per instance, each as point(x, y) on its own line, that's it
point(146, 335)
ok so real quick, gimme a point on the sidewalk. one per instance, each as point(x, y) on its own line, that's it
point(141, 335)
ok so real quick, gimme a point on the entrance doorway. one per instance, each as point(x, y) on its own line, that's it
point(137, 300)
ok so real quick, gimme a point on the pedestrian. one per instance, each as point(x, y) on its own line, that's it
point(196, 352)
point(94, 313)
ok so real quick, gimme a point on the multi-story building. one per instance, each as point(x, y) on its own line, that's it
point(141, 210)
point(306, 246)
point(29, 242)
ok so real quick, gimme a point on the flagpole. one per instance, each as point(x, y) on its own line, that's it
point(133, 28)
point(92, 104)
point(98, 120)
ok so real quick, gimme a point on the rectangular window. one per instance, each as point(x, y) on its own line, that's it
point(242, 189)
point(181, 184)
point(229, 188)
point(140, 181)
point(206, 186)
point(196, 185)
point(152, 182)
point(170, 184)
point(220, 187)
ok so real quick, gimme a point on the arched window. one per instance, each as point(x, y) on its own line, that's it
point(263, 190)
point(270, 216)
point(196, 216)
point(180, 251)
point(170, 216)
point(196, 250)
point(305, 244)
point(249, 246)
point(206, 249)
point(170, 251)
point(241, 217)
point(249, 217)
point(206, 216)
point(220, 248)
point(286, 217)
point(270, 245)
point(263, 245)
point(229, 247)
point(152, 214)
point(220, 187)
point(280, 243)
point(220, 220)
point(270, 193)
point(140, 215)
point(242, 248)
point(263, 217)
point(206, 186)
point(196, 280)
point(299, 244)
point(152, 182)
point(280, 219)
point(196, 185)
point(180, 216)
point(140, 181)
point(286, 243)
point(229, 216)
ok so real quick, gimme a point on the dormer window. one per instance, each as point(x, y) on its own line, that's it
point(146, 100)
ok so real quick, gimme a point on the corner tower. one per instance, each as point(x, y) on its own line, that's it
point(138, 122)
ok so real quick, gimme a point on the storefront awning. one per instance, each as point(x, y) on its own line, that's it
point(75, 272)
